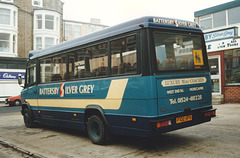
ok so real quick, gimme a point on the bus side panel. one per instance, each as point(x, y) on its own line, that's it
point(64, 103)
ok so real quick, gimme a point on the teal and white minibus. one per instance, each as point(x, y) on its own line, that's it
point(143, 77)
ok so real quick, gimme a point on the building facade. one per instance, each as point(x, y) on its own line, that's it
point(74, 29)
point(25, 25)
point(221, 26)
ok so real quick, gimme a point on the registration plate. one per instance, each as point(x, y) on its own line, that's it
point(184, 119)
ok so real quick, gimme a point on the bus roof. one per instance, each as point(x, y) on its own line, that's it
point(136, 24)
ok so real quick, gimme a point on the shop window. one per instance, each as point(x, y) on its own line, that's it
point(3, 66)
point(4, 16)
point(124, 56)
point(232, 67)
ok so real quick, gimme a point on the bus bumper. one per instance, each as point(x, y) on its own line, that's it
point(182, 120)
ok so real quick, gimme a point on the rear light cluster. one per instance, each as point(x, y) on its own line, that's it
point(164, 123)
point(210, 113)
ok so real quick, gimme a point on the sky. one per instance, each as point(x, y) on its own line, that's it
point(113, 12)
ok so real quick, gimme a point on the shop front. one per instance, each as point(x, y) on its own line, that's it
point(224, 60)
point(10, 69)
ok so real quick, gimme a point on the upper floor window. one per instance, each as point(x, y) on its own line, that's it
point(39, 43)
point(39, 21)
point(49, 22)
point(219, 19)
point(77, 31)
point(37, 3)
point(4, 16)
point(68, 30)
point(4, 42)
point(233, 15)
point(49, 42)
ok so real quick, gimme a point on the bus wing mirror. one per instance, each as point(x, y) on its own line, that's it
point(20, 79)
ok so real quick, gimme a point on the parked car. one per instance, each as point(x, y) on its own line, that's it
point(13, 101)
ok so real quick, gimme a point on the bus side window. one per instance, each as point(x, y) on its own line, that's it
point(79, 67)
point(99, 61)
point(124, 55)
point(31, 74)
point(89, 62)
point(53, 69)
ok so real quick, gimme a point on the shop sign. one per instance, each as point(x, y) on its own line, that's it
point(223, 45)
point(224, 34)
point(11, 75)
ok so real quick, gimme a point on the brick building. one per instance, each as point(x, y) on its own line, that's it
point(25, 25)
point(221, 25)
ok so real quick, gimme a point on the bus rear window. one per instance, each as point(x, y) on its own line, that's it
point(178, 52)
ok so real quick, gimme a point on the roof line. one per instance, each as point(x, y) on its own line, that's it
point(217, 8)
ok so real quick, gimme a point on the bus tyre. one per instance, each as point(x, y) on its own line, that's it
point(28, 118)
point(97, 130)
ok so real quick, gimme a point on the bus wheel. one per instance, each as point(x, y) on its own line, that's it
point(96, 130)
point(28, 118)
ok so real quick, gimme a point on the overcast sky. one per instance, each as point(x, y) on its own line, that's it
point(112, 12)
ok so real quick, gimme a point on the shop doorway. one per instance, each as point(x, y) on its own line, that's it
point(215, 69)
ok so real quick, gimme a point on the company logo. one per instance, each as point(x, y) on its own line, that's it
point(62, 89)
point(176, 23)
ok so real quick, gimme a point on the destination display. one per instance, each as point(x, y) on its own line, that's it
point(177, 23)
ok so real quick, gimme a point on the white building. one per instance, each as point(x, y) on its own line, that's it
point(74, 29)
point(221, 25)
